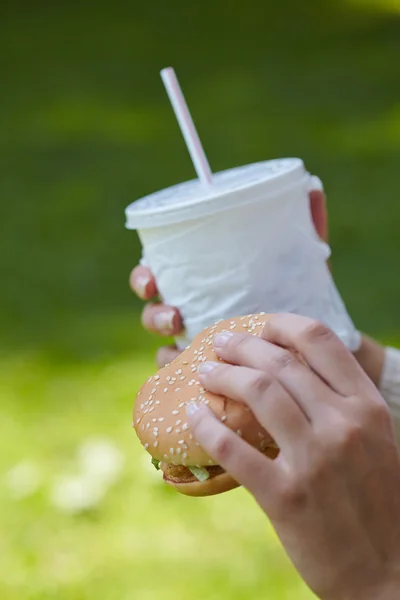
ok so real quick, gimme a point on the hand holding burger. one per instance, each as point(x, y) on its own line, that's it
point(161, 422)
point(333, 493)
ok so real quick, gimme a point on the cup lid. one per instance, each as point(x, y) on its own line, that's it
point(232, 187)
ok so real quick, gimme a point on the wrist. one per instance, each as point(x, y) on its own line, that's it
point(371, 357)
point(388, 589)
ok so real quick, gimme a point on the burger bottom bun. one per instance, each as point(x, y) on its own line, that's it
point(214, 485)
point(210, 487)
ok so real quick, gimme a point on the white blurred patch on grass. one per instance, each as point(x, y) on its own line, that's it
point(77, 493)
point(101, 459)
point(99, 465)
point(24, 479)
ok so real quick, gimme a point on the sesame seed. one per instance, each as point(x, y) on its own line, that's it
point(175, 412)
point(169, 429)
point(146, 403)
point(146, 446)
point(181, 404)
point(182, 377)
point(165, 390)
point(141, 406)
point(138, 420)
point(177, 389)
point(156, 377)
point(239, 433)
point(148, 426)
point(179, 372)
point(178, 450)
point(177, 430)
point(181, 442)
point(168, 378)
point(171, 451)
point(184, 427)
point(223, 418)
point(161, 419)
point(185, 362)
point(158, 402)
point(155, 444)
point(155, 433)
point(153, 391)
point(154, 420)
point(184, 455)
point(178, 422)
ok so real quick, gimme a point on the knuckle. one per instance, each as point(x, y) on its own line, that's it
point(240, 343)
point(222, 447)
point(349, 437)
point(259, 386)
point(316, 331)
point(377, 414)
point(293, 493)
point(282, 359)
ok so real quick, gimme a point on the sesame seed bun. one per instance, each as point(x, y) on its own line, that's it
point(160, 418)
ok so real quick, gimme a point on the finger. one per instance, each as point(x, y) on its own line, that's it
point(270, 403)
point(162, 319)
point(319, 213)
point(243, 462)
point(310, 392)
point(166, 355)
point(322, 350)
point(143, 283)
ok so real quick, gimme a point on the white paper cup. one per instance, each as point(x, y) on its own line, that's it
point(245, 245)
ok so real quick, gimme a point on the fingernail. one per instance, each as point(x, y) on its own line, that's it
point(222, 338)
point(192, 409)
point(164, 321)
point(141, 284)
point(207, 367)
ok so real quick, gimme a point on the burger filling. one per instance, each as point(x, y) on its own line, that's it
point(182, 474)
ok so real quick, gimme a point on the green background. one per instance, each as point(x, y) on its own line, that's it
point(86, 128)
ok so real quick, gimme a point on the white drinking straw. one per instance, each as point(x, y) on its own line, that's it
point(187, 126)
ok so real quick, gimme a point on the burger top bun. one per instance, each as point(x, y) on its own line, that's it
point(159, 415)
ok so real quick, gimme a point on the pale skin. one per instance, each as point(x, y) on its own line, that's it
point(333, 494)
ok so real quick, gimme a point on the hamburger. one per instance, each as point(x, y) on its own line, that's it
point(160, 421)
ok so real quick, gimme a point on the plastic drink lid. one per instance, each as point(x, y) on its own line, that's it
point(232, 187)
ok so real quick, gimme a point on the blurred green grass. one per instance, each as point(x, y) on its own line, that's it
point(86, 128)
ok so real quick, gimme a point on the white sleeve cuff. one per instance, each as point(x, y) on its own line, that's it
point(390, 382)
